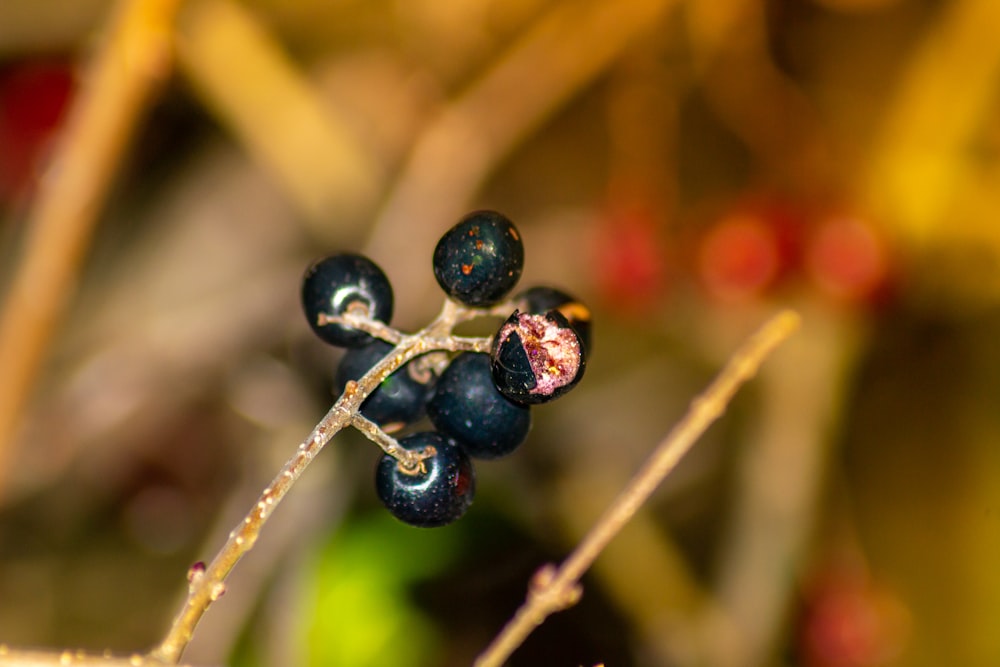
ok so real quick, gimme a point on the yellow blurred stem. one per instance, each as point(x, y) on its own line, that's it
point(966, 259)
point(922, 157)
point(244, 76)
point(556, 57)
point(711, 26)
point(115, 90)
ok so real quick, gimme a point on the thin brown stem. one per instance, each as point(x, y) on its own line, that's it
point(439, 331)
point(465, 314)
point(554, 589)
point(389, 444)
point(363, 323)
point(207, 583)
point(17, 658)
point(460, 344)
point(208, 586)
point(116, 89)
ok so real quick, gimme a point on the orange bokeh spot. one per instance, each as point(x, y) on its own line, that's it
point(631, 261)
point(847, 259)
point(739, 258)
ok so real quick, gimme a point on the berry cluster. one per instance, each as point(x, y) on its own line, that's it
point(475, 392)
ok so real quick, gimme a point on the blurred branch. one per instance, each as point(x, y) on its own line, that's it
point(116, 88)
point(246, 78)
point(315, 506)
point(563, 52)
point(757, 101)
point(15, 658)
point(158, 327)
point(29, 27)
point(945, 95)
point(556, 588)
point(658, 593)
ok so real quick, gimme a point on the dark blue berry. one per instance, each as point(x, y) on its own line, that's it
point(334, 284)
point(467, 406)
point(434, 495)
point(538, 300)
point(401, 397)
point(479, 260)
point(536, 358)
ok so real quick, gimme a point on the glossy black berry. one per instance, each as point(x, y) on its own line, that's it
point(536, 358)
point(538, 300)
point(334, 284)
point(401, 397)
point(467, 406)
point(437, 494)
point(479, 260)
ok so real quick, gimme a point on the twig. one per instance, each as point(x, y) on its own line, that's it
point(207, 583)
point(410, 460)
point(364, 323)
point(554, 589)
point(114, 92)
point(17, 658)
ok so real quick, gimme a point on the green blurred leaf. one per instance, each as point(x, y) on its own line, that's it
point(361, 611)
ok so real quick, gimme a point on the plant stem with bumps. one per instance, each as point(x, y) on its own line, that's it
point(552, 589)
point(207, 583)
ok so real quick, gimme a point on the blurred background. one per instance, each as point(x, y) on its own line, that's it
point(686, 167)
